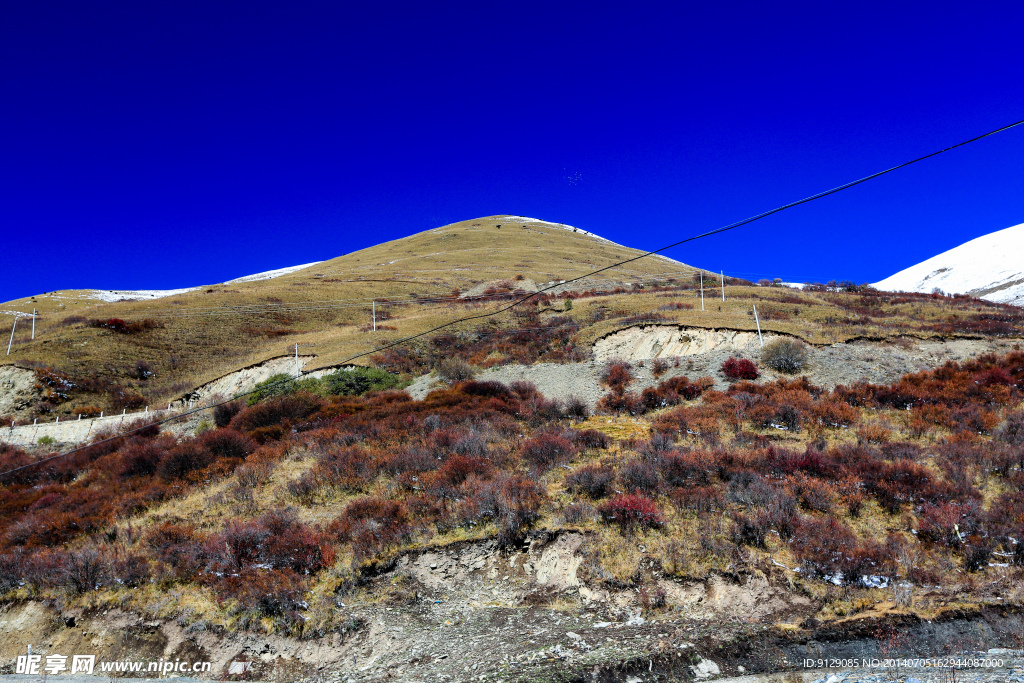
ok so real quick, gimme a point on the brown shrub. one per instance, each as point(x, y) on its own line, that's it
point(184, 458)
point(543, 451)
point(179, 547)
point(227, 444)
point(139, 459)
point(659, 366)
point(640, 475)
point(617, 375)
point(594, 481)
point(698, 498)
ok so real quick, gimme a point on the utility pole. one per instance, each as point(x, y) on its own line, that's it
point(702, 291)
point(296, 360)
point(12, 335)
point(33, 323)
point(374, 315)
point(723, 285)
point(758, 322)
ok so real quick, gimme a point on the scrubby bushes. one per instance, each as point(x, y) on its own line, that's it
point(478, 458)
point(785, 355)
point(454, 370)
point(667, 393)
point(357, 381)
point(617, 375)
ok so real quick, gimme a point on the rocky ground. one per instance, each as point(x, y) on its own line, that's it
point(828, 366)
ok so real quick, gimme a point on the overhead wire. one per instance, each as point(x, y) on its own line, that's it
point(405, 340)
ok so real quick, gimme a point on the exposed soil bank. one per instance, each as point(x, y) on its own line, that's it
point(19, 390)
point(669, 341)
point(472, 611)
point(845, 363)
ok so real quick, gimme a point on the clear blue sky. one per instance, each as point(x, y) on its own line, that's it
point(160, 144)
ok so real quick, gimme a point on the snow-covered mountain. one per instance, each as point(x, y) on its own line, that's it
point(989, 267)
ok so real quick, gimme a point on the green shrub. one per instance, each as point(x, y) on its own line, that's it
point(276, 385)
point(358, 380)
point(785, 355)
point(351, 382)
point(47, 440)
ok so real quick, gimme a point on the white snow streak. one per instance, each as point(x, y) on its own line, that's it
point(145, 294)
point(271, 274)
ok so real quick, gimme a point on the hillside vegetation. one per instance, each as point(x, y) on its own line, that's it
point(290, 504)
point(93, 356)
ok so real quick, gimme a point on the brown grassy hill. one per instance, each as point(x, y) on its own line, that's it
point(200, 335)
point(170, 345)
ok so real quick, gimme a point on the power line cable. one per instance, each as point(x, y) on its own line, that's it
point(731, 226)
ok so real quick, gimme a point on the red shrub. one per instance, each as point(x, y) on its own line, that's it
point(831, 412)
point(372, 525)
point(223, 413)
point(631, 510)
point(824, 545)
point(667, 393)
point(752, 531)
point(411, 460)
point(487, 389)
point(454, 472)
point(275, 412)
point(813, 494)
point(510, 501)
point(739, 368)
point(617, 403)
point(179, 547)
point(261, 593)
point(659, 366)
point(686, 388)
point(277, 540)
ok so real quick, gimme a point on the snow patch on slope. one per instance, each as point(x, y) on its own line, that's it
point(110, 295)
point(271, 274)
point(136, 294)
point(989, 267)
